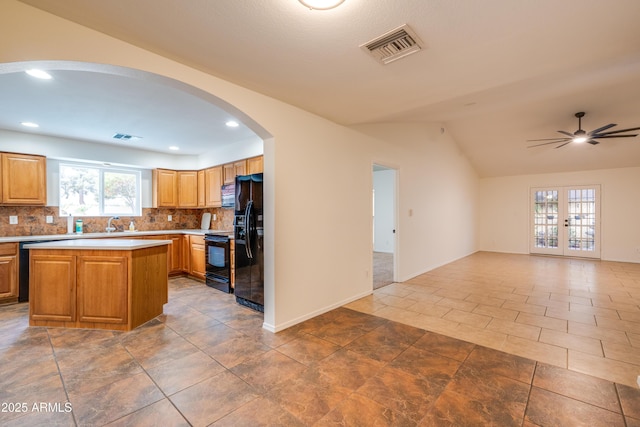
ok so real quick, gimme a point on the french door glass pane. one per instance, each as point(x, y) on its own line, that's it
point(546, 219)
point(581, 220)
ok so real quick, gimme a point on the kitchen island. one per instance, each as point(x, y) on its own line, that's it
point(115, 284)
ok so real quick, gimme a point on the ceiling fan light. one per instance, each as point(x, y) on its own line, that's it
point(580, 139)
point(321, 4)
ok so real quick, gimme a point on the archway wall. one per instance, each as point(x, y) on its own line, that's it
point(318, 173)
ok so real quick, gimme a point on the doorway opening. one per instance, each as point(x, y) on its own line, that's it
point(565, 221)
point(384, 226)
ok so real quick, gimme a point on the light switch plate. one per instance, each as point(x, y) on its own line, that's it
point(49, 219)
point(13, 219)
point(169, 218)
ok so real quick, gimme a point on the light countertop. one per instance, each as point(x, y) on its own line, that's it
point(83, 236)
point(101, 244)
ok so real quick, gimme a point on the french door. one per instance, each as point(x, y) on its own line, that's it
point(566, 221)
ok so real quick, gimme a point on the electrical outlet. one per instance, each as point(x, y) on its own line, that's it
point(215, 217)
point(169, 218)
point(638, 380)
point(13, 219)
point(49, 219)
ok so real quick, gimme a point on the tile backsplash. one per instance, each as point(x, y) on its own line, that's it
point(32, 220)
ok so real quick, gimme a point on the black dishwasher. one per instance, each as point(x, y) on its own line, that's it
point(23, 284)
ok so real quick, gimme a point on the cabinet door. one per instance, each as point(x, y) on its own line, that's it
point(240, 167)
point(213, 185)
point(185, 254)
point(165, 188)
point(201, 198)
point(188, 189)
point(175, 254)
point(255, 165)
point(197, 258)
point(102, 289)
point(52, 287)
point(24, 179)
point(231, 170)
point(8, 277)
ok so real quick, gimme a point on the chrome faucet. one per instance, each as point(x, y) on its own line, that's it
point(109, 227)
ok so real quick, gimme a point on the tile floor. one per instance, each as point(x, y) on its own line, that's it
point(579, 314)
point(207, 361)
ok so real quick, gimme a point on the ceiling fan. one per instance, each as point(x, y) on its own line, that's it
point(581, 136)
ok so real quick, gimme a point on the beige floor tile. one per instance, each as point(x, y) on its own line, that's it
point(429, 309)
point(497, 312)
point(485, 337)
point(619, 325)
point(457, 304)
point(542, 352)
point(525, 308)
point(623, 353)
point(596, 332)
point(511, 328)
point(485, 300)
point(542, 321)
point(608, 369)
point(394, 301)
point(557, 313)
point(467, 318)
point(604, 312)
point(571, 299)
point(570, 341)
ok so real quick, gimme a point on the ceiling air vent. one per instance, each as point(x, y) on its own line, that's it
point(125, 137)
point(393, 45)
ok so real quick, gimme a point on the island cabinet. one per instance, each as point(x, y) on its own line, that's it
point(8, 272)
point(23, 179)
point(80, 284)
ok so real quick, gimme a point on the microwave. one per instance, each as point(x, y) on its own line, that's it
point(229, 195)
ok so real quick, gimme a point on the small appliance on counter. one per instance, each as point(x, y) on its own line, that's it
point(249, 242)
point(205, 223)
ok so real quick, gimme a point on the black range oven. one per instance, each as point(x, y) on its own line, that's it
point(218, 262)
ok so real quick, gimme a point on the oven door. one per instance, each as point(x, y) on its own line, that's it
point(218, 262)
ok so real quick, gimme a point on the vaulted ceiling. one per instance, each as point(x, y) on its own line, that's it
point(495, 72)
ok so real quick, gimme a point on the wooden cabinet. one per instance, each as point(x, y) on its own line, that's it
point(102, 288)
point(165, 188)
point(116, 289)
point(175, 254)
point(197, 262)
point(201, 189)
point(187, 189)
point(8, 272)
point(212, 187)
point(255, 165)
point(231, 170)
point(24, 179)
point(185, 254)
point(52, 288)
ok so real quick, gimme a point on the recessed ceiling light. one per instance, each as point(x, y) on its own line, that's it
point(174, 148)
point(232, 124)
point(321, 4)
point(30, 124)
point(39, 74)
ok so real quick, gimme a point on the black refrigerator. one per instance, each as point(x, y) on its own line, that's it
point(249, 242)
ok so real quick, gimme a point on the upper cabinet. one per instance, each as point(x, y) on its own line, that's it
point(212, 187)
point(165, 188)
point(231, 170)
point(24, 179)
point(255, 165)
point(188, 189)
point(198, 189)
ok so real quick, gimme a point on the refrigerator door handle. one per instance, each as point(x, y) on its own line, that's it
point(247, 228)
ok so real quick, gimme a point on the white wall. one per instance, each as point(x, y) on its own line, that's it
point(504, 212)
point(384, 183)
point(318, 181)
point(438, 188)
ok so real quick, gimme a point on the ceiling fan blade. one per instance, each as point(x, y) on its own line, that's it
point(548, 139)
point(552, 142)
point(614, 136)
point(593, 141)
point(566, 133)
point(620, 131)
point(562, 145)
point(610, 125)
